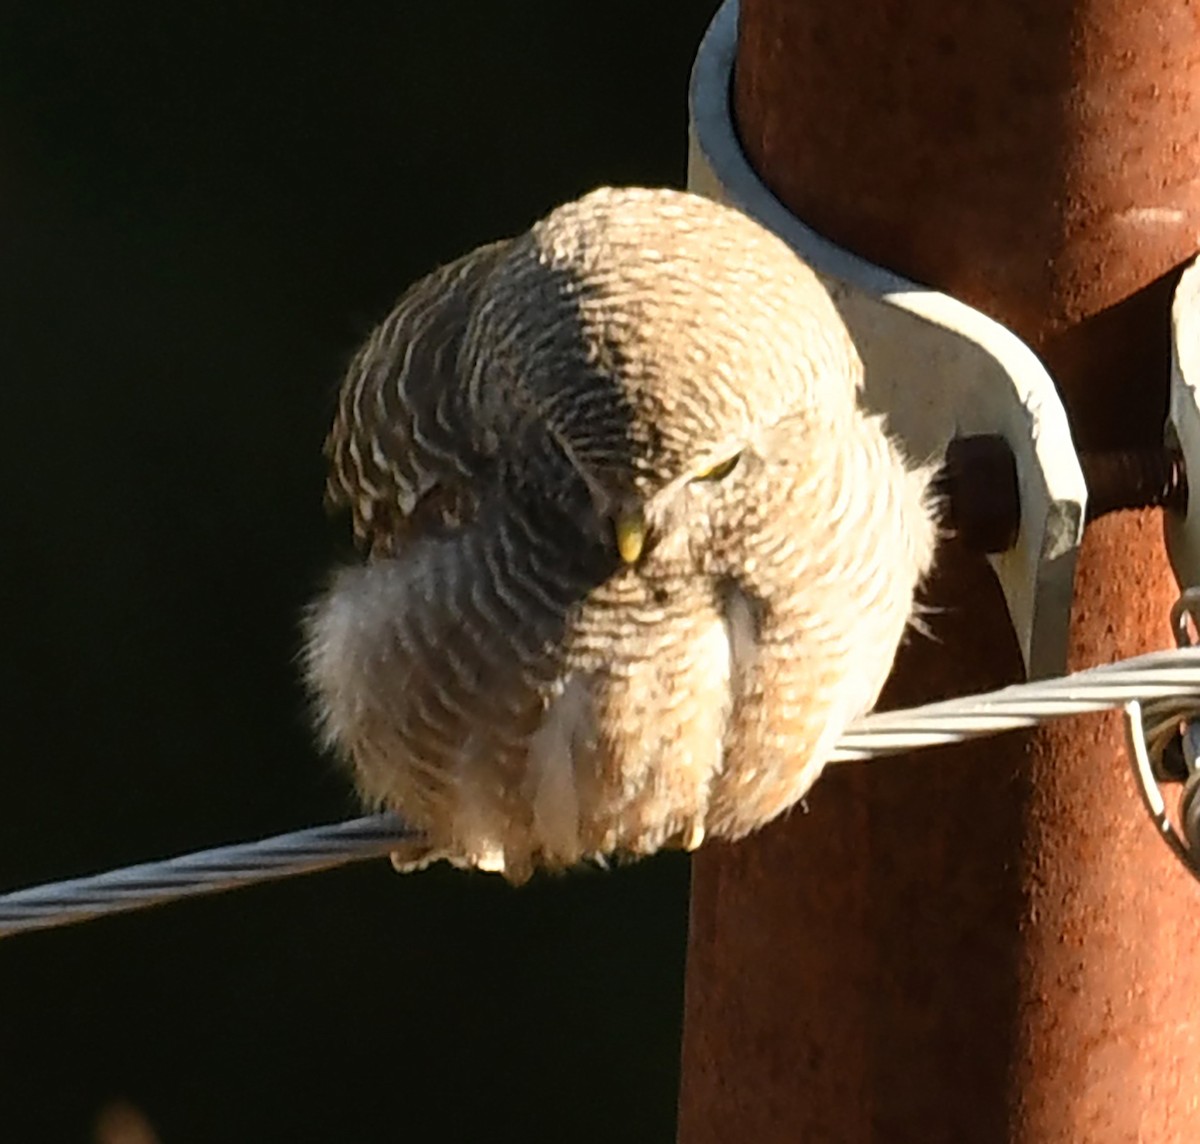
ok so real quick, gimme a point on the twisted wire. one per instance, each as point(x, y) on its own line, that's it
point(205, 872)
point(1165, 684)
point(1164, 681)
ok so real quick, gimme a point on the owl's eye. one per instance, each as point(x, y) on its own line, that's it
point(719, 472)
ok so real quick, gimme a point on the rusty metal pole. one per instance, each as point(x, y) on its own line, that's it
point(989, 943)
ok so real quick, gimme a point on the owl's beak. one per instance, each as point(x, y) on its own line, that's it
point(630, 527)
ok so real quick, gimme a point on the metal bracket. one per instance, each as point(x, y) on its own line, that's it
point(1163, 737)
point(938, 368)
point(1183, 423)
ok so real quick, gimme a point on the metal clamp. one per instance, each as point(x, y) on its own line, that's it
point(1183, 422)
point(1164, 747)
point(939, 369)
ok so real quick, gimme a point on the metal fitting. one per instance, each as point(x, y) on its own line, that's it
point(1164, 747)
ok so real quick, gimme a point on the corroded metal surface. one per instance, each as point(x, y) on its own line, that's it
point(987, 943)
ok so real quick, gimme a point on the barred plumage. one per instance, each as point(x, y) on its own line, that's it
point(635, 554)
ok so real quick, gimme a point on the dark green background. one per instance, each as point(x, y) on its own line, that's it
point(203, 207)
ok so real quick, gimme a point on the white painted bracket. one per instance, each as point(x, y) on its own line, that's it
point(1183, 424)
point(938, 368)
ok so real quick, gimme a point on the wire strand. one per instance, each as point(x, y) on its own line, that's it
point(1172, 677)
point(205, 872)
point(1166, 684)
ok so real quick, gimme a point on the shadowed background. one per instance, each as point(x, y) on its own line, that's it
point(203, 209)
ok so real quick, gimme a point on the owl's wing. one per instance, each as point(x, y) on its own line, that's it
point(400, 458)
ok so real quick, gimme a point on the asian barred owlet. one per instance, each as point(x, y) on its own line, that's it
point(634, 554)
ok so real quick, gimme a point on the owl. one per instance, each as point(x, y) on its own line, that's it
point(633, 552)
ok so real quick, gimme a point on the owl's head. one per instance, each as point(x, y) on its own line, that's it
point(658, 341)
